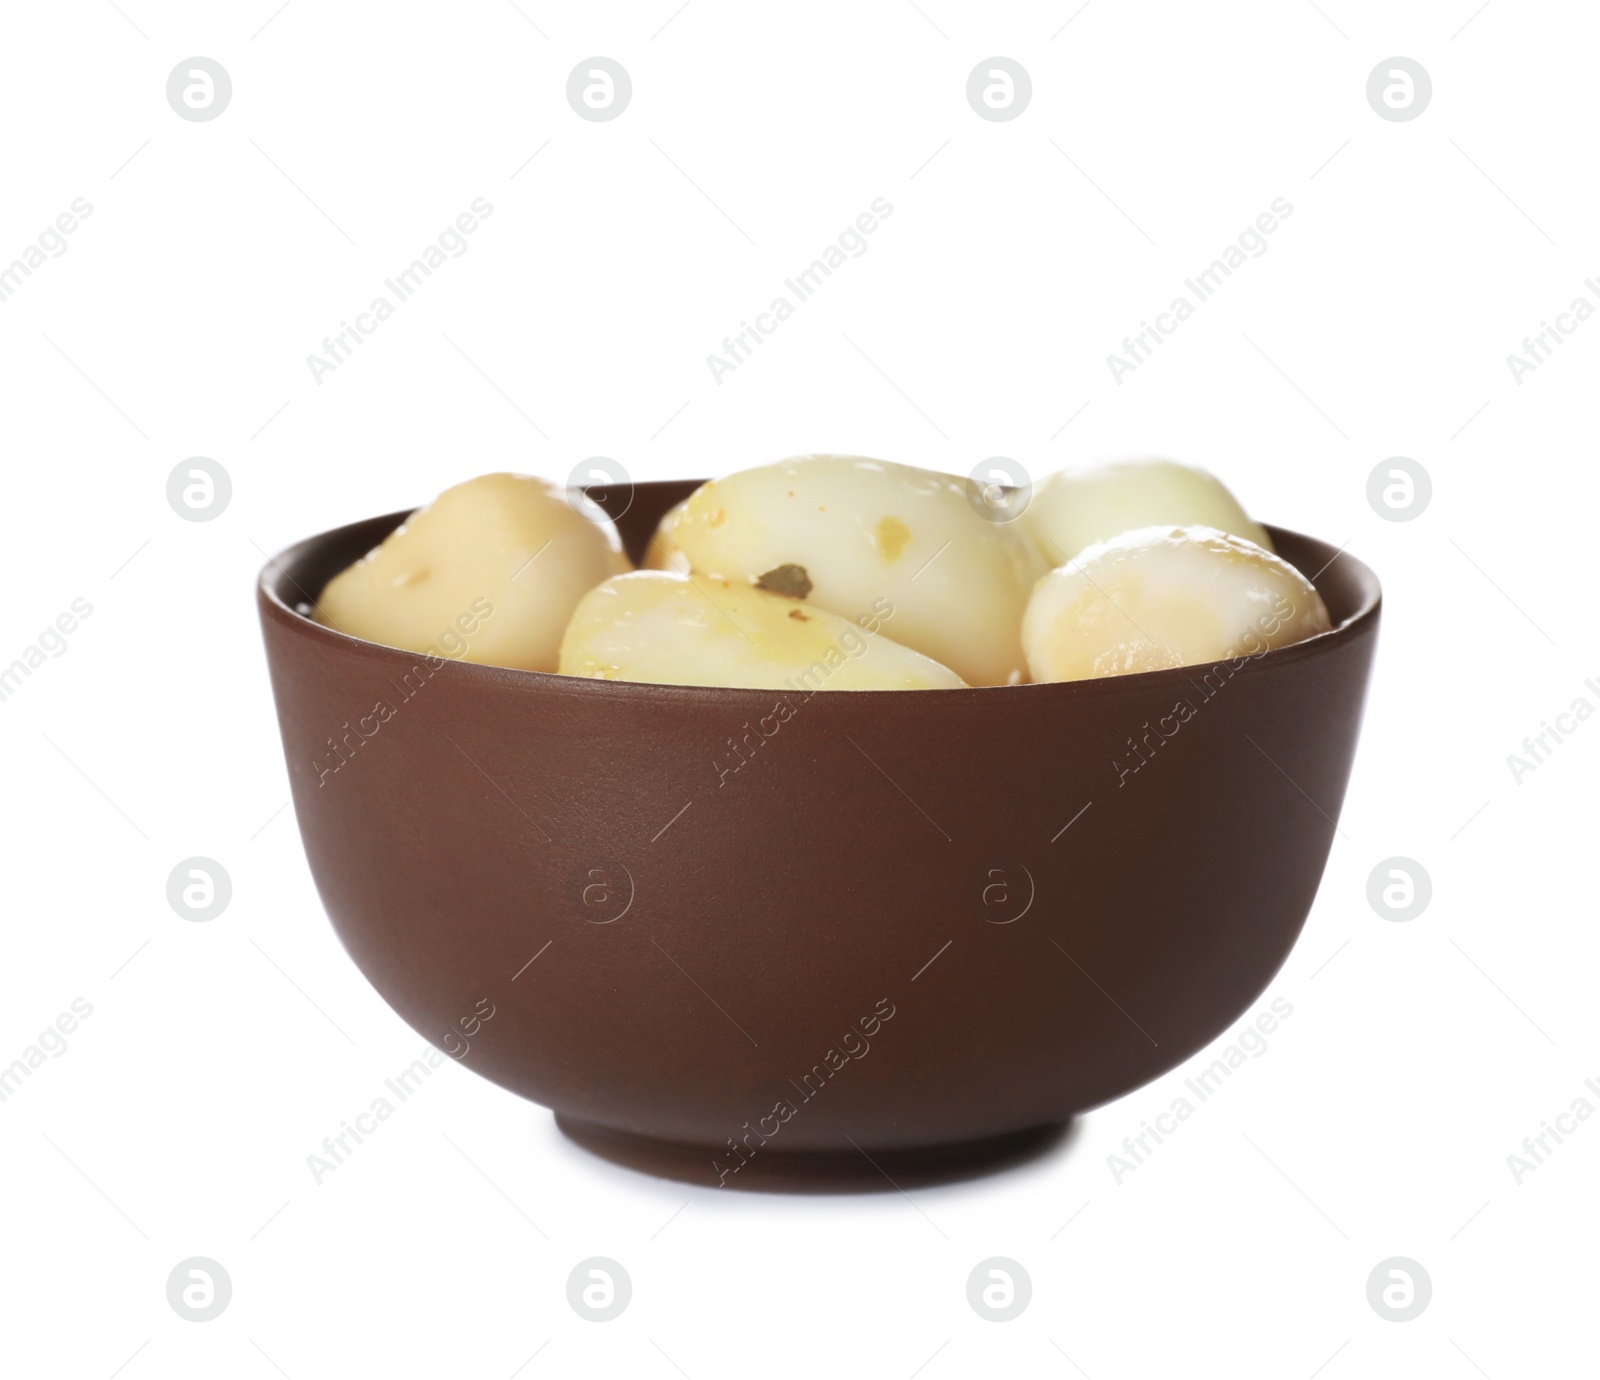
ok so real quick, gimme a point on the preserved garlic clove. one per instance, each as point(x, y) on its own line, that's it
point(677, 629)
point(1165, 596)
point(663, 553)
point(1084, 504)
point(847, 532)
point(490, 571)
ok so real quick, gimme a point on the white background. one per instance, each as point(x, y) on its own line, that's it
point(178, 1121)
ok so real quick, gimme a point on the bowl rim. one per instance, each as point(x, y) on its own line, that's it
point(277, 569)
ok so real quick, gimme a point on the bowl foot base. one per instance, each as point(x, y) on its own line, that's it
point(771, 1170)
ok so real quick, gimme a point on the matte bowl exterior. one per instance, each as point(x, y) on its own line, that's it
point(751, 927)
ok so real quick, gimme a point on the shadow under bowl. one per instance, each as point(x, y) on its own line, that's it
point(767, 939)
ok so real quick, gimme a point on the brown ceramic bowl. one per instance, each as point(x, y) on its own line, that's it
point(762, 940)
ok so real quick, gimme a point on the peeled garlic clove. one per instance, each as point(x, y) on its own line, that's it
point(490, 571)
point(1166, 596)
point(663, 553)
point(1077, 507)
point(857, 531)
point(675, 629)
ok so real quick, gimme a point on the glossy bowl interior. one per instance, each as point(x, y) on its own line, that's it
point(764, 939)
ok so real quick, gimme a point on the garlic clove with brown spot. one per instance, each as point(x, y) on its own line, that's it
point(862, 530)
